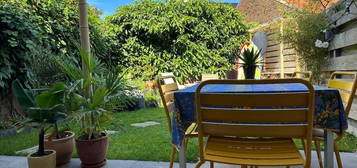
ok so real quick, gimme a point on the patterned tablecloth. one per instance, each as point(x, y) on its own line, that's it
point(329, 110)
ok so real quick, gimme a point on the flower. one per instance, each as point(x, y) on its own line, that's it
point(320, 44)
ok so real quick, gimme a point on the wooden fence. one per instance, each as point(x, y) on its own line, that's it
point(343, 47)
point(280, 58)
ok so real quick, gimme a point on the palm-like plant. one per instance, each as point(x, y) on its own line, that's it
point(44, 111)
point(92, 108)
point(251, 59)
point(250, 56)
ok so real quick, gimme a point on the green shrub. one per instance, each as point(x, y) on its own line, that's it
point(187, 38)
point(33, 32)
point(304, 32)
point(19, 35)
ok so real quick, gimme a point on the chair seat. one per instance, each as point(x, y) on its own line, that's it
point(192, 130)
point(259, 152)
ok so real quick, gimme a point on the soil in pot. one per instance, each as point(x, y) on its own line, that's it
point(46, 161)
point(63, 145)
point(92, 153)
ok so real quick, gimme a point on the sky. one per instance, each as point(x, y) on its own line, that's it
point(109, 6)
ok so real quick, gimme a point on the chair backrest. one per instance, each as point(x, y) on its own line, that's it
point(167, 86)
point(209, 77)
point(306, 75)
point(286, 114)
point(347, 87)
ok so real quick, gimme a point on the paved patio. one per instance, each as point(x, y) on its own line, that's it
point(349, 160)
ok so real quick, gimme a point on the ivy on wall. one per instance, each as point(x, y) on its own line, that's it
point(33, 32)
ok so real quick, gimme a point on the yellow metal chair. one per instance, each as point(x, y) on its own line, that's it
point(306, 75)
point(347, 92)
point(258, 136)
point(167, 86)
point(209, 77)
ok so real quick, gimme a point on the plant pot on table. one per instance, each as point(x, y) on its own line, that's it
point(232, 74)
point(63, 147)
point(46, 161)
point(92, 153)
point(249, 71)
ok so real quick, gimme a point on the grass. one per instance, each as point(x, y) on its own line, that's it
point(132, 143)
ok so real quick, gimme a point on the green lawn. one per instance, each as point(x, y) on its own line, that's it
point(132, 143)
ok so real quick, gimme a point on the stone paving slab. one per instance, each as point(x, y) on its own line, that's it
point(349, 161)
point(145, 124)
point(27, 151)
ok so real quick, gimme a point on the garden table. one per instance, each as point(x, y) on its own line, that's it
point(329, 111)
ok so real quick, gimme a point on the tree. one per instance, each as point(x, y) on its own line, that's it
point(187, 38)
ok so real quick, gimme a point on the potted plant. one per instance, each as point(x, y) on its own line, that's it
point(91, 100)
point(62, 141)
point(49, 102)
point(251, 59)
point(40, 115)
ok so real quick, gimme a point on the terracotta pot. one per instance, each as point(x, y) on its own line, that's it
point(47, 161)
point(249, 71)
point(63, 147)
point(92, 153)
point(232, 74)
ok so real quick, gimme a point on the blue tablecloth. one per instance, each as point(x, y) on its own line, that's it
point(329, 110)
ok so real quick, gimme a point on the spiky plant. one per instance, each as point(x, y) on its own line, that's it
point(250, 57)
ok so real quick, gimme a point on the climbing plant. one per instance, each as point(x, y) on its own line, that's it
point(305, 32)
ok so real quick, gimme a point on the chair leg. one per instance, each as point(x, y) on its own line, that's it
point(211, 164)
point(303, 145)
point(172, 157)
point(318, 152)
point(199, 164)
point(186, 142)
point(338, 157)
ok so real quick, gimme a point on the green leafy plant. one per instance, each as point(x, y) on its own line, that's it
point(188, 38)
point(152, 98)
point(250, 57)
point(18, 35)
point(91, 110)
point(44, 111)
point(304, 32)
point(35, 31)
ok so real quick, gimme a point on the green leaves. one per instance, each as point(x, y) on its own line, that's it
point(47, 115)
point(23, 97)
point(33, 33)
point(17, 39)
point(250, 56)
point(51, 97)
point(187, 38)
point(49, 107)
point(302, 32)
point(98, 97)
